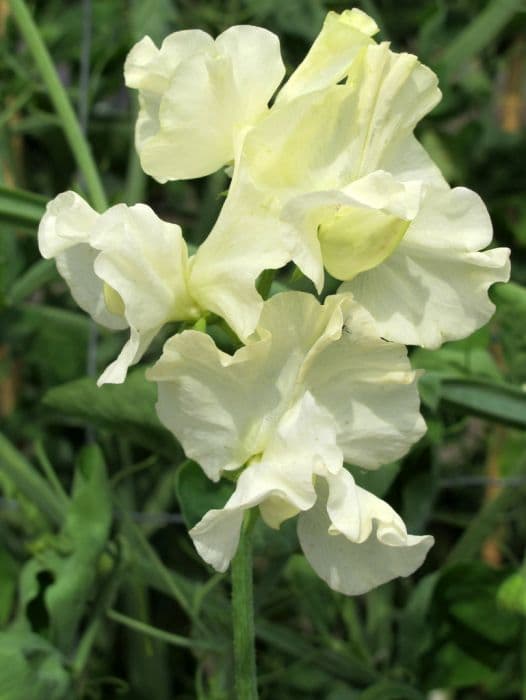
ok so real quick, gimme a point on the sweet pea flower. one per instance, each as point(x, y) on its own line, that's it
point(126, 268)
point(313, 386)
point(341, 169)
point(129, 269)
point(198, 97)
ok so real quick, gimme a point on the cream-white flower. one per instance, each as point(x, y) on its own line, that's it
point(126, 268)
point(346, 181)
point(314, 386)
point(197, 96)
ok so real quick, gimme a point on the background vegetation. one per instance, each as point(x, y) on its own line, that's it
point(101, 593)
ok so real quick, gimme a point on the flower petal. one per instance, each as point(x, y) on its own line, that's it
point(355, 541)
point(351, 230)
point(203, 395)
point(245, 240)
point(131, 353)
point(257, 66)
point(368, 387)
point(281, 484)
point(434, 287)
point(198, 96)
point(330, 56)
point(224, 410)
point(76, 266)
point(145, 260)
point(389, 95)
point(149, 68)
point(68, 221)
point(65, 233)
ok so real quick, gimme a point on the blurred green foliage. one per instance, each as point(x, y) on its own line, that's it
point(101, 593)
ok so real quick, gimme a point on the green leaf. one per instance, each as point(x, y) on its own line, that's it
point(38, 275)
point(86, 530)
point(28, 481)
point(391, 690)
point(57, 583)
point(473, 634)
point(478, 34)
point(314, 597)
point(152, 17)
point(510, 293)
point(20, 209)
point(31, 669)
point(415, 635)
point(197, 494)
point(455, 667)
point(339, 665)
point(58, 341)
point(463, 358)
point(127, 409)
point(484, 523)
point(512, 593)
point(8, 579)
point(467, 594)
point(503, 403)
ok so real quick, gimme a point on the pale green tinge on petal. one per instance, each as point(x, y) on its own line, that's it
point(357, 239)
point(145, 260)
point(76, 266)
point(198, 96)
point(351, 230)
point(434, 287)
point(336, 141)
point(65, 234)
point(332, 53)
point(300, 147)
point(327, 139)
point(354, 541)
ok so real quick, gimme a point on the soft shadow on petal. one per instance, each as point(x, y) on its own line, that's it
point(434, 287)
point(362, 544)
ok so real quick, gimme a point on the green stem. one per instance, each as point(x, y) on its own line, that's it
point(29, 482)
point(60, 99)
point(50, 473)
point(175, 639)
point(243, 617)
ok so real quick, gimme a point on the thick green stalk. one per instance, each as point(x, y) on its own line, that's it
point(243, 617)
point(60, 99)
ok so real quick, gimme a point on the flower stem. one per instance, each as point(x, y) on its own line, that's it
point(243, 617)
point(61, 102)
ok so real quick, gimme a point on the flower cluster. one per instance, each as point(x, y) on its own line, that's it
point(326, 173)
